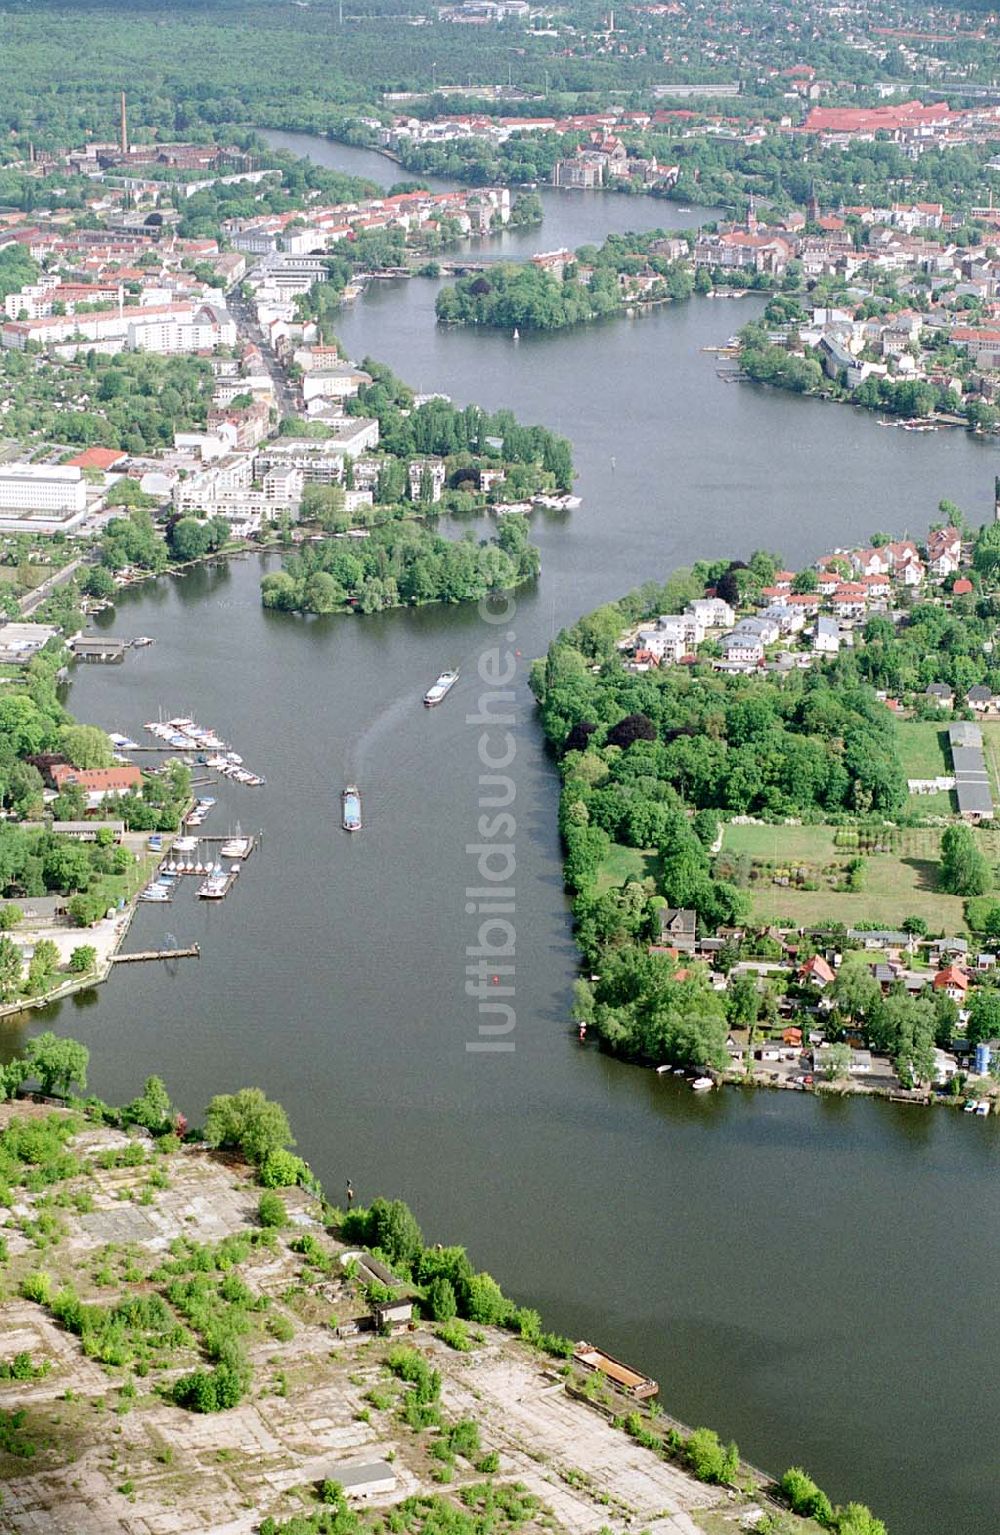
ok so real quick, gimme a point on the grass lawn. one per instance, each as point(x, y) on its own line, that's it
point(924, 753)
point(782, 844)
point(896, 888)
point(923, 748)
point(991, 751)
point(626, 863)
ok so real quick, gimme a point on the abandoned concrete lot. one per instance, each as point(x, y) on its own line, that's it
point(112, 1456)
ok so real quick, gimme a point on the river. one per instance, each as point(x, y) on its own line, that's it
point(812, 1278)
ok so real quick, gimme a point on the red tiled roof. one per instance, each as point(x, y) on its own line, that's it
point(113, 779)
point(97, 458)
point(951, 976)
point(907, 114)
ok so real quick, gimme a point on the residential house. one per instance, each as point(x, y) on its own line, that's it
point(872, 562)
point(941, 694)
point(426, 475)
point(878, 587)
point(943, 564)
point(827, 637)
point(850, 600)
point(741, 649)
point(980, 698)
point(788, 619)
point(900, 554)
point(944, 541)
point(816, 972)
point(953, 982)
point(97, 784)
point(766, 629)
point(712, 612)
point(657, 645)
point(836, 360)
point(685, 628)
point(677, 928)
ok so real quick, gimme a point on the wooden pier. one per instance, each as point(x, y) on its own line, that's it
point(194, 952)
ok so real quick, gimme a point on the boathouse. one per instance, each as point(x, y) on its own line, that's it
point(107, 651)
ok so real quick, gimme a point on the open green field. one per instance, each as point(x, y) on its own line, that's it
point(624, 864)
point(924, 753)
point(991, 751)
point(895, 888)
point(782, 844)
point(898, 884)
point(923, 748)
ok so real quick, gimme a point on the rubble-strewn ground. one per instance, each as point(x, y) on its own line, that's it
point(96, 1459)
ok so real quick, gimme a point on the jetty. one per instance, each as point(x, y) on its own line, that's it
point(141, 957)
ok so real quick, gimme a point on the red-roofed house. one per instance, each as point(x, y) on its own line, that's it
point(97, 783)
point(872, 562)
point(953, 982)
point(850, 600)
point(963, 586)
point(816, 972)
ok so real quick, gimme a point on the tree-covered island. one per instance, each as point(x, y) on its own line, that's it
point(778, 815)
point(570, 288)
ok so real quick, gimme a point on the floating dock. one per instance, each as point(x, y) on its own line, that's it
point(193, 952)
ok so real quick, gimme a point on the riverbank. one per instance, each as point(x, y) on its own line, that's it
point(712, 938)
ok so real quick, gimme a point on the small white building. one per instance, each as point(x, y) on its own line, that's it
point(827, 636)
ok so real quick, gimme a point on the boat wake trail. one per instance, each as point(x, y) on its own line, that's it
point(358, 753)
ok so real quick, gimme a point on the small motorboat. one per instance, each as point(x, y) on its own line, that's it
point(350, 801)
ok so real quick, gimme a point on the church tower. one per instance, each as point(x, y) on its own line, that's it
point(812, 206)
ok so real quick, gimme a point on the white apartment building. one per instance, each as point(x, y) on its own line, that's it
point(321, 463)
point(165, 328)
point(204, 490)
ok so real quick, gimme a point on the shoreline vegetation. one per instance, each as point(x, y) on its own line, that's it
point(717, 768)
point(914, 402)
point(186, 1330)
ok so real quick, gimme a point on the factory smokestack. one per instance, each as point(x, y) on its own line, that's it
point(124, 127)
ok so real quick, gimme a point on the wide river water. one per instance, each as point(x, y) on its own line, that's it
point(813, 1278)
